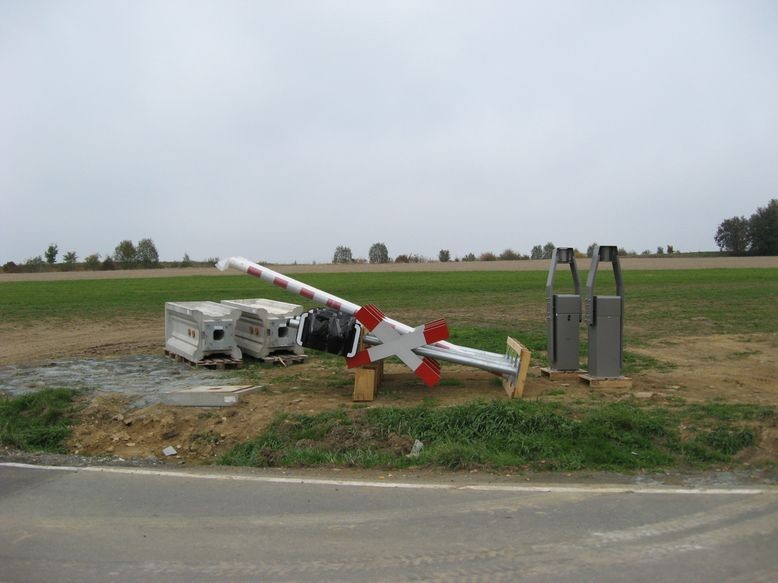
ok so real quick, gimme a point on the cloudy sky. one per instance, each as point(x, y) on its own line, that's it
point(279, 130)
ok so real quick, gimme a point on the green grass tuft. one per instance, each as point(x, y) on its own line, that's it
point(37, 421)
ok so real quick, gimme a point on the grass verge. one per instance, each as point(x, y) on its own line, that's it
point(38, 421)
point(503, 434)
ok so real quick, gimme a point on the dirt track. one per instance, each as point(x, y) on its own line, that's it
point(628, 263)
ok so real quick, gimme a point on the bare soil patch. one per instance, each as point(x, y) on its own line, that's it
point(727, 368)
point(39, 342)
point(732, 369)
point(708, 369)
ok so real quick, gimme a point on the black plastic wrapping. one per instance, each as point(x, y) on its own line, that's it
point(328, 330)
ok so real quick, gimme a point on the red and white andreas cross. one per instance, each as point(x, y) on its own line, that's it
point(393, 343)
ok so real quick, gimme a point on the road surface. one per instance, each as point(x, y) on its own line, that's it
point(125, 524)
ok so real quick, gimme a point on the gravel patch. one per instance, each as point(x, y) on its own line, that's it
point(146, 376)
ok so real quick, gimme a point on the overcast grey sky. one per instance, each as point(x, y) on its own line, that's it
point(279, 130)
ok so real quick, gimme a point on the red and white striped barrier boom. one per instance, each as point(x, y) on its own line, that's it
point(435, 347)
point(320, 297)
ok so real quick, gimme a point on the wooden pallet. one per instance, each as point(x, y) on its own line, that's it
point(556, 375)
point(604, 383)
point(284, 359)
point(215, 362)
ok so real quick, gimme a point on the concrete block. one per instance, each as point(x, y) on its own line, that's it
point(196, 330)
point(208, 396)
point(262, 327)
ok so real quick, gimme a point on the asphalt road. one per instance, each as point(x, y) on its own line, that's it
point(115, 524)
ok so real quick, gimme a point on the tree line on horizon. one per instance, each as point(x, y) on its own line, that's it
point(756, 235)
point(379, 253)
point(126, 255)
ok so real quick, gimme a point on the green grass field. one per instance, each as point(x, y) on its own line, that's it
point(658, 303)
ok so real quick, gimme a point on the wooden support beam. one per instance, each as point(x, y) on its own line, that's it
point(515, 387)
point(367, 379)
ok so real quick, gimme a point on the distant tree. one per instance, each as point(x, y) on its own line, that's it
point(342, 255)
point(34, 264)
point(378, 253)
point(670, 250)
point(590, 249)
point(125, 255)
point(733, 235)
point(186, 262)
point(92, 262)
point(444, 256)
point(763, 230)
point(146, 253)
point(51, 254)
point(11, 267)
point(646, 252)
point(660, 251)
point(469, 257)
point(401, 259)
point(108, 264)
point(537, 252)
point(509, 255)
point(548, 250)
point(622, 252)
point(212, 260)
point(487, 256)
point(69, 259)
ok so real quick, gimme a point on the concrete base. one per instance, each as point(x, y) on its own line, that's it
point(556, 375)
point(220, 396)
point(606, 383)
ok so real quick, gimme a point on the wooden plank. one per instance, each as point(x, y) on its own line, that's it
point(516, 388)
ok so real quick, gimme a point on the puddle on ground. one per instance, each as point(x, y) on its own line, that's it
point(144, 375)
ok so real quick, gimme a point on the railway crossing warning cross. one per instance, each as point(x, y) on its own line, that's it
point(401, 345)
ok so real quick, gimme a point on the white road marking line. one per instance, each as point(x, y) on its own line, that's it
point(574, 489)
point(707, 518)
